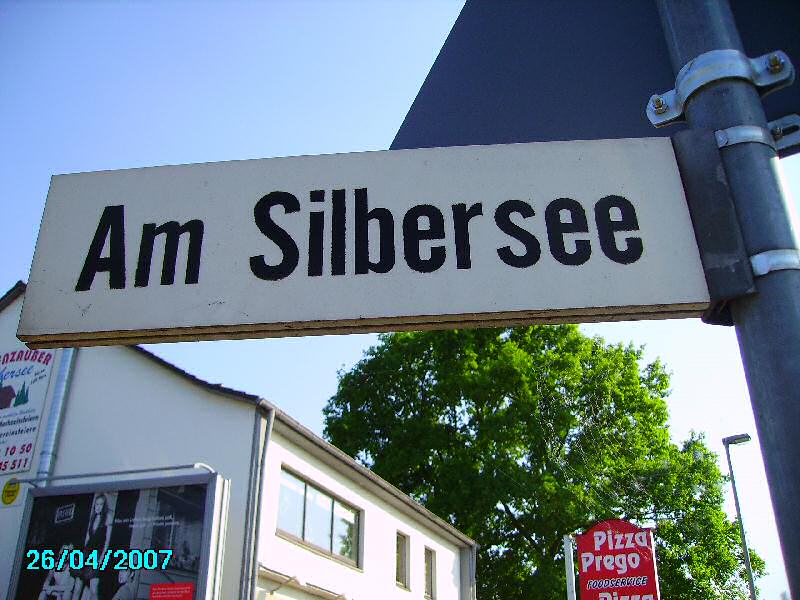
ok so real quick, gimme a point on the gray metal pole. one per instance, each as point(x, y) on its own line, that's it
point(747, 565)
point(569, 567)
point(768, 323)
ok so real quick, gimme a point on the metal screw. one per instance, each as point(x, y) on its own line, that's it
point(775, 63)
point(777, 132)
point(659, 106)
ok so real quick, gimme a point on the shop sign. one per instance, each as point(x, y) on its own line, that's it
point(617, 561)
point(24, 378)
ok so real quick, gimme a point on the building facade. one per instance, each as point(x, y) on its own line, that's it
point(300, 519)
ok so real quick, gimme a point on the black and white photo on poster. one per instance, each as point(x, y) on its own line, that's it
point(153, 538)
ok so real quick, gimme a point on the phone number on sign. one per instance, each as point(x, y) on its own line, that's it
point(19, 460)
point(120, 560)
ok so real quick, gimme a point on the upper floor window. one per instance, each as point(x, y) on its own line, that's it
point(307, 513)
point(401, 568)
point(430, 573)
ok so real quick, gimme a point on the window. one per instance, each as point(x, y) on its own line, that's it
point(430, 573)
point(317, 518)
point(401, 568)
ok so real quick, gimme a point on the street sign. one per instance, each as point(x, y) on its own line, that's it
point(616, 561)
point(578, 70)
point(411, 239)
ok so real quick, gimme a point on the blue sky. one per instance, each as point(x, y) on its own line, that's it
point(88, 86)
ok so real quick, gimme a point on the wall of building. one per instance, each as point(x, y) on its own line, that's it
point(125, 412)
point(375, 575)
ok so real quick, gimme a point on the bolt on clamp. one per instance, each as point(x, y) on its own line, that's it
point(786, 131)
point(768, 73)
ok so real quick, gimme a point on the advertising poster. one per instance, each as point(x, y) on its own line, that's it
point(617, 561)
point(149, 543)
point(24, 377)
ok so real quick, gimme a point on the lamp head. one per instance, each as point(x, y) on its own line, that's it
point(740, 438)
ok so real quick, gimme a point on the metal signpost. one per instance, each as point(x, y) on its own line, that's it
point(768, 322)
point(569, 567)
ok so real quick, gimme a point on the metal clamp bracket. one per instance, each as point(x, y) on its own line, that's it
point(775, 260)
point(768, 73)
point(786, 131)
point(744, 134)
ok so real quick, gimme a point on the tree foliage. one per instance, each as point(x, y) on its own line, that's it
point(519, 436)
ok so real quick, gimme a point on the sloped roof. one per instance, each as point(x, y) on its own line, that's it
point(326, 451)
point(15, 292)
point(288, 426)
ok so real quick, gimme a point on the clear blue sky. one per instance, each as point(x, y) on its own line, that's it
point(91, 86)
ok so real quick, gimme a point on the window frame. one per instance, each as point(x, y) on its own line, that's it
point(300, 541)
point(405, 585)
point(432, 594)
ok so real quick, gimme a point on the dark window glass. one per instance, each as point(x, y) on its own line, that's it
point(430, 573)
point(401, 569)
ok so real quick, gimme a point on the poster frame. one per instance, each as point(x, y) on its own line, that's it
point(214, 520)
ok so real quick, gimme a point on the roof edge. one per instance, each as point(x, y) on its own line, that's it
point(212, 387)
point(318, 444)
point(322, 446)
point(15, 292)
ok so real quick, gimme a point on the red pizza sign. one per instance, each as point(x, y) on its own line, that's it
point(617, 561)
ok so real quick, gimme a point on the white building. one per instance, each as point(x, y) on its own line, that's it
point(304, 520)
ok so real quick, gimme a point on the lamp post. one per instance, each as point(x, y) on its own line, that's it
point(740, 439)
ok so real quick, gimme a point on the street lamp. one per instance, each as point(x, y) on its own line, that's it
point(740, 439)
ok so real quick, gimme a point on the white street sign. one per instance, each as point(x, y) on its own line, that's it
point(404, 239)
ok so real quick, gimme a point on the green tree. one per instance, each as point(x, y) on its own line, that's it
point(519, 436)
